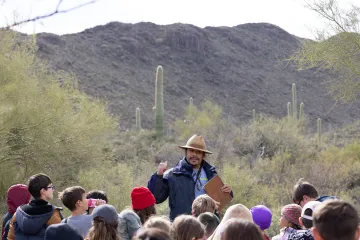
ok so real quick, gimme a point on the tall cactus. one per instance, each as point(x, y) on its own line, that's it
point(138, 120)
point(289, 109)
point(319, 129)
point(254, 114)
point(191, 105)
point(294, 101)
point(301, 114)
point(159, 103)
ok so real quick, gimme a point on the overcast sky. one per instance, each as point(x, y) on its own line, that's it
point(290, 15)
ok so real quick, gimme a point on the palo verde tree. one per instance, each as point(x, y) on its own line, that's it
point(47, 124)
point(336, 49)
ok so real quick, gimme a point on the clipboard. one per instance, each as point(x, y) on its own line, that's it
point(212, 188)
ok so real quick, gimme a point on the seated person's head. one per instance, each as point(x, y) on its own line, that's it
point(105, 223)
point(304, 192)
point(152, 234)
point(143, 203)
point(203, 203)
point(290, 215)
point(96, 194)
point(17, 195)
point(187, 227)
point(74, 199)
point(61, 231)
point(239, 229)
point(336, 220)
point(237, 211)
point(41, 187)
point(262, 216)
point(210, 221)
point(306, 219)
point(160, 222)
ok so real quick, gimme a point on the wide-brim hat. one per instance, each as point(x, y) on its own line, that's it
point(197, 143)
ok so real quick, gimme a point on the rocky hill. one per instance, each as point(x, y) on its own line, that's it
point(241, 68)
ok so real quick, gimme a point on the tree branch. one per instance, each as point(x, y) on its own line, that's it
point(57, 11)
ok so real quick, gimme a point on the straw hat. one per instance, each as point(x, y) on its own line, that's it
point(196, 142)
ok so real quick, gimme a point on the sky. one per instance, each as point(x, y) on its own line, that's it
point(291, 15)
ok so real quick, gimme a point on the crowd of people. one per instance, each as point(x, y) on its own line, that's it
point(194, 215)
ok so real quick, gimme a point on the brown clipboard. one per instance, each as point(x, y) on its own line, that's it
point(212, 188)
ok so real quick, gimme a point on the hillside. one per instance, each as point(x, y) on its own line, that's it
point(241, 68)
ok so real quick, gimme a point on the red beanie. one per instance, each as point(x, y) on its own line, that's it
point(141, 198)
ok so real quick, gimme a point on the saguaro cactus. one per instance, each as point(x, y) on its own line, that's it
point(294, 101)
point(301, 114)
point(254, 114)
point(191, 105)
point(289, 109)
point(319, 129)
point(138, 120)
point(159, 103)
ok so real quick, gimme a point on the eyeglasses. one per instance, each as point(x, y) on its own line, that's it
point(52, 187)
point(299, 203)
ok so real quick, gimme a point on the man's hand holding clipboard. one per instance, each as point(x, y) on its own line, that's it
point(216, 189)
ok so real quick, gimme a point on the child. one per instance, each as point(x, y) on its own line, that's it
point(61, 231)
point(239, 229)
point(105, 222)
point(262, 217)
point(17, 195)
point(32, 219)
point(289, 221)
point(159, 222)
point(187, 227)
point(335, 219)
point(203, 203)
point(74, 199)
point(210, 221)
point(96, 194)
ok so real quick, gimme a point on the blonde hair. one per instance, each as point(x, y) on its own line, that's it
point(187, 227)
point(159, 222)
point(203, 203)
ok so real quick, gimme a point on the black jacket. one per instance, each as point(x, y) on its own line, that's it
point(178, 184)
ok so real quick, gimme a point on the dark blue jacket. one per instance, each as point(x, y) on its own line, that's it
point(178, 184)
point(31, 227)
point(6, 225)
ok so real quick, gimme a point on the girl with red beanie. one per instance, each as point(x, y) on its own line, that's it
point(143, 203)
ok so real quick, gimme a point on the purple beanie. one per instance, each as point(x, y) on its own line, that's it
point(261, 216)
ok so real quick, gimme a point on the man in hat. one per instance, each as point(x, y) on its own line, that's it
point(183, 183)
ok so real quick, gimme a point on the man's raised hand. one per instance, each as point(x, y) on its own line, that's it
point(162, 168)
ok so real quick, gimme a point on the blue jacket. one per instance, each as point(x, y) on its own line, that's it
point(31, 227)
point(178, 184)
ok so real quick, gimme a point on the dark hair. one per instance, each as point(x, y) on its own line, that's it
point(307, 222)
point(301, 189)
point(187, 227)
point(102, 230)
point(210, 221)
point(97, 194)
point(238, 229)
point(146, 213)
point(152, 234)
point(336, 220)
point(36, 183)
point(71, 195)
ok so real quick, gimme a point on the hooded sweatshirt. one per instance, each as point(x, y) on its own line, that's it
point(31, 220)
point(17, 195)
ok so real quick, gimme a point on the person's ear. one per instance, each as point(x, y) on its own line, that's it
point(316, 233)
point(42, 191)
point(300, 221)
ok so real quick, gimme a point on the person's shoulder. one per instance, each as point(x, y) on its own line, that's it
point(168, 173)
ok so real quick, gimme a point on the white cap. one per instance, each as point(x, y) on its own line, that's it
point(310, 205)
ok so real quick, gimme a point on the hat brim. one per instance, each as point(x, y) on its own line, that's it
point(199, 149)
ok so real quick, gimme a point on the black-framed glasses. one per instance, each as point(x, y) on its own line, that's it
point(299, 203)
point(52, 187)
